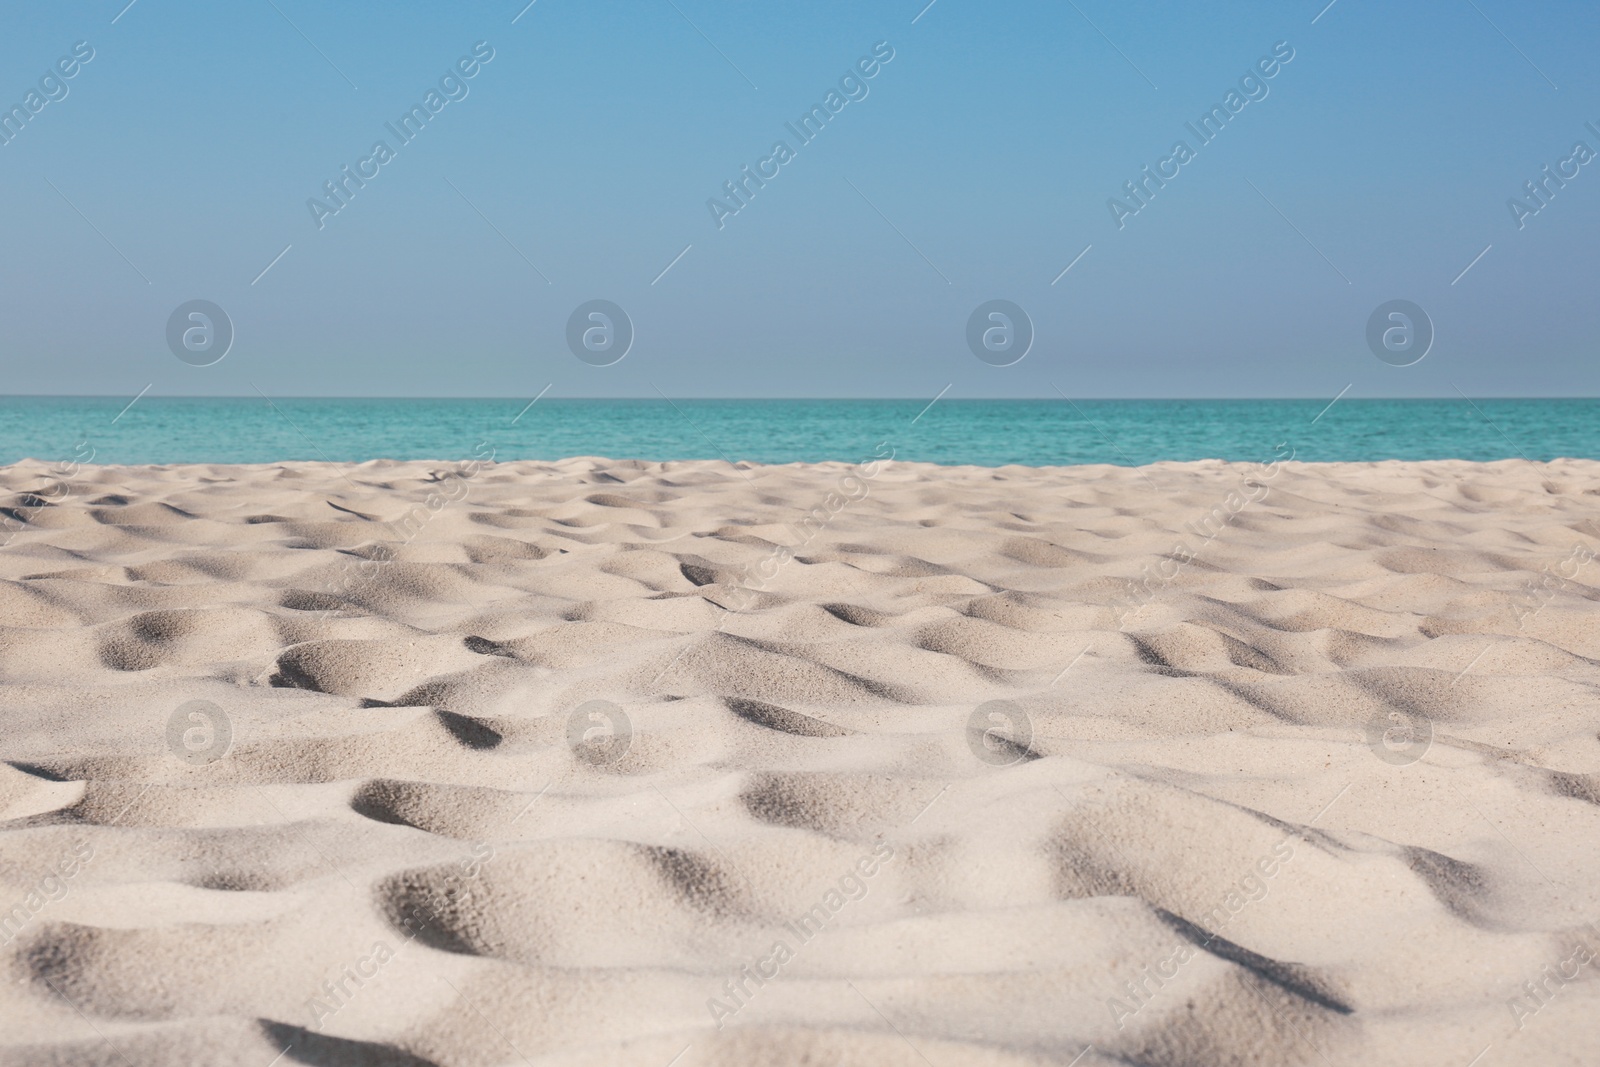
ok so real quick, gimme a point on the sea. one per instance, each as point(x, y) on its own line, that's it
point(990, 433)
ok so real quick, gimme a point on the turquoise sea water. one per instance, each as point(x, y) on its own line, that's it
point(986, 432)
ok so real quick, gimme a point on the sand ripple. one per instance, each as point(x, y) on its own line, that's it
point(611, 763)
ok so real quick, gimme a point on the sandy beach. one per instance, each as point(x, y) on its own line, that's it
point(599, 762)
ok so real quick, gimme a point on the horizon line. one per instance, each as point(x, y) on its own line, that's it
point(790, 399)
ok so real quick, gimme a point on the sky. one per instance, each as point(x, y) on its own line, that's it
point(579, 162)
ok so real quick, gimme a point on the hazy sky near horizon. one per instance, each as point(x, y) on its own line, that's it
point(978, 163)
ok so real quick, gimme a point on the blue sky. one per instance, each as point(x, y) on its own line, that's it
point(978, 165)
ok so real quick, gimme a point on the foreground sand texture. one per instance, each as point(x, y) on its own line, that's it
point(1326, 792)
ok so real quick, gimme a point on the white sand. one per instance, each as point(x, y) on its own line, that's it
point(1222, 836)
